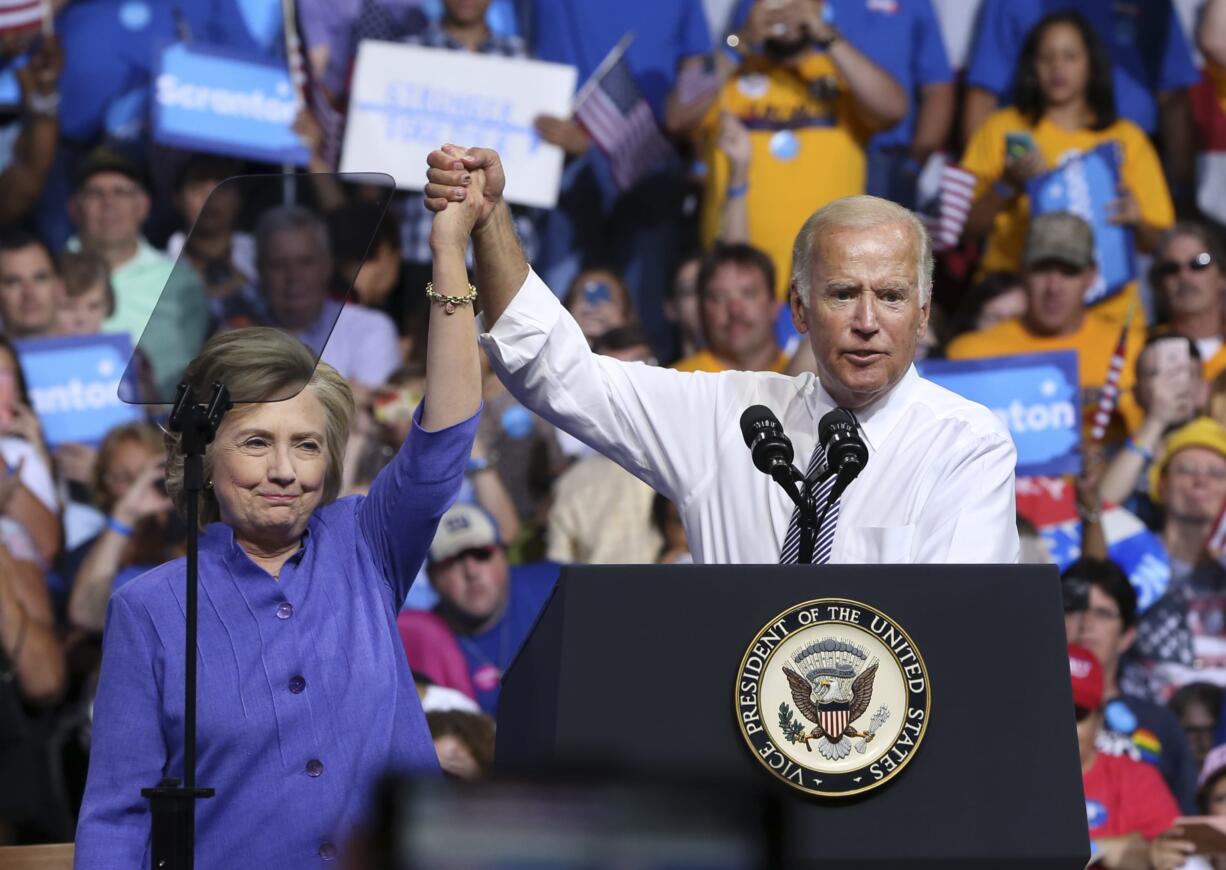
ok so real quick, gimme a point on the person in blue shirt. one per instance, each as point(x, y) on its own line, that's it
point(637, 233)
point(489, 606)
point(1150, 55)
point(904, 38)
point(305, 694)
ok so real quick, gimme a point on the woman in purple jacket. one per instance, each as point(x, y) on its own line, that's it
point(305, 695)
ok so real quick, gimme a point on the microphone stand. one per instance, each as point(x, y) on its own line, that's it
point(172, 802)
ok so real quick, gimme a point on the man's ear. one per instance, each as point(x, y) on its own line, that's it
point(143, 204)
point(925, 311)
point(799, 314)
point(1127, 639)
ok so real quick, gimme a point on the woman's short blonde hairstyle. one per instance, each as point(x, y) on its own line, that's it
point(260, 364)
point(860, 213)
point(137, 432)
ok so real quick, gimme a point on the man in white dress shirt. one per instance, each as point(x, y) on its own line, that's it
point(939, 482)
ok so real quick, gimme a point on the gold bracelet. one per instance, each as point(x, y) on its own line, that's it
point(450, 302)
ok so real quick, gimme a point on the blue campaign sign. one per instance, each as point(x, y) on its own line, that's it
point(74, 385)
point(1035, 395)
point(1085, 184)
point(208, 99)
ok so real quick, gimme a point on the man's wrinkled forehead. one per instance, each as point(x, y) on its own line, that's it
point(872, 256)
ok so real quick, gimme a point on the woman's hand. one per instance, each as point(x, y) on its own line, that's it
point(733, 139)
point(1125, 210)
point(1169, 850)
point(450, 175)
point(453, 226)
point(1019, 170)
point(24, 424)
point(144, 497)
point(10, 481)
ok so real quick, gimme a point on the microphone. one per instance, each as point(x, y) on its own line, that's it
point(771, 450)
point(846, 454)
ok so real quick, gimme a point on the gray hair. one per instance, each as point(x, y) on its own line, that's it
point(262, 364)
point(859, 213)
point(290, 218)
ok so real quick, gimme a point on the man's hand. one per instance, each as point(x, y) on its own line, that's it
point(454, 222)
point(41, 76)
point(567, 135)
point(451, 173)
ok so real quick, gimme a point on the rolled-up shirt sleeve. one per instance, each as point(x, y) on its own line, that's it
point(399, 517)
point(128, 750)
point(658, 424)
point(971, 517)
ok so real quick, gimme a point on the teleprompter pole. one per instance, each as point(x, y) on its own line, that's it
point(173, 801)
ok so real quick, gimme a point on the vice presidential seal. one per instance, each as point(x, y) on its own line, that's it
point(832, 696)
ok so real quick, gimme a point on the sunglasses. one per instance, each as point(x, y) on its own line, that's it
point(1171, 268)
point(480, 554)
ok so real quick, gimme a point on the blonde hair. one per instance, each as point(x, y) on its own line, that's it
point(136, 432)
point(261, 364)
point(859, 213)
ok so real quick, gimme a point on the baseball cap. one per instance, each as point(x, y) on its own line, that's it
point(1214, 767)
point(1060, 236)
point(464, 527)
point(1201, 432)
point(1087, 675)
point(105, 159)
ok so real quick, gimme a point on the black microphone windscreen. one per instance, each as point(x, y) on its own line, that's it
point(834, 422)
point(757, 419)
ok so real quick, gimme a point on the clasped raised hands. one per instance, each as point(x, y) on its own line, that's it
point(463, 188)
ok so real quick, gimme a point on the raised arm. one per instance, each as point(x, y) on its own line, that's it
point(657, 423)
point(501, 266)
point(399, 517)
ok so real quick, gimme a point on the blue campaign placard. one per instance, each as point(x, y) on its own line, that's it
point(1085, 184)
point(212, 100)
point(1035, 395)
point(74, 385)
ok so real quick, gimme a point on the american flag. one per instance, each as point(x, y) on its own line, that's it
point(311, 95)
point(957, 189)
point(1111, 389)
point(18, 15)
point(620, 122)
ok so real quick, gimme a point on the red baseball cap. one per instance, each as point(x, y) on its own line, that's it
point(1087, 675)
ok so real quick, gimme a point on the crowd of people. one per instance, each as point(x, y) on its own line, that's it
point(773, 109)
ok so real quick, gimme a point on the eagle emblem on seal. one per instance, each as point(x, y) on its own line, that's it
point(832, 686)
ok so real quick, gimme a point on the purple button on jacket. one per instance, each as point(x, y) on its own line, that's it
point(305, 695)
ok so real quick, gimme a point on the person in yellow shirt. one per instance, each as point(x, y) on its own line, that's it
point(810, 100)
point(1057, 269)
point(1065, 105)
point(1188, 276)
point(737, 305)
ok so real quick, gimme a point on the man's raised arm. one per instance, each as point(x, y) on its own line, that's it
point(501, 267)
